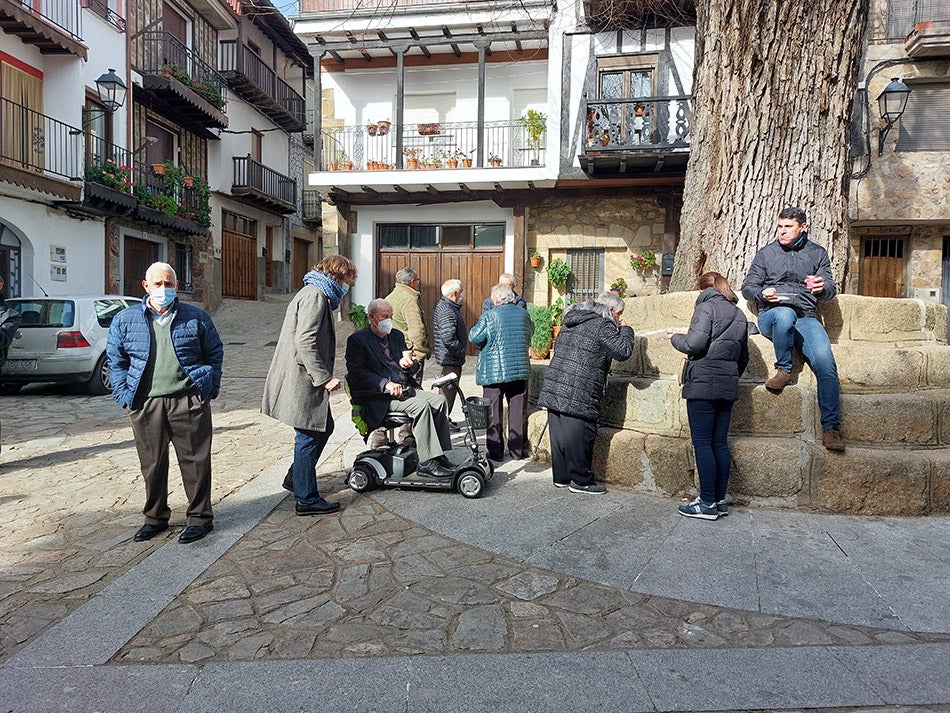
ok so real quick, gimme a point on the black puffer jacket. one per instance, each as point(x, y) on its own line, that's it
point(575, 380)
point(450, 332)
point(717, 344)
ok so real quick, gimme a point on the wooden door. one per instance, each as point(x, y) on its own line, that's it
point(139, 254)
point(882, 267)
point(301, 263)
point(238, 266)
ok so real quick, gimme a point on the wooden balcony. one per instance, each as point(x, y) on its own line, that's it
point(249, 77)
point(52, 26)
point(260, 186)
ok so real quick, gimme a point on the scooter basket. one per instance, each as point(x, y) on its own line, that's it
point(479, 411)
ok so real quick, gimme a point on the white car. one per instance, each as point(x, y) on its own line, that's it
point(62, 339)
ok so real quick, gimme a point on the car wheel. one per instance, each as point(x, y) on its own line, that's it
point(99, 381)
point(9, 389)
point(471, 484)
point(362, 478)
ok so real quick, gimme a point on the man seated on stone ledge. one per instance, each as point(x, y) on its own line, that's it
point(786, 279)
point(380, 369)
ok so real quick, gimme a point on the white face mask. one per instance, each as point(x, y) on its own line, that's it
point(385, 326)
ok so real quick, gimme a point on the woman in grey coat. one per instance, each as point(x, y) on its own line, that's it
point(300, 378)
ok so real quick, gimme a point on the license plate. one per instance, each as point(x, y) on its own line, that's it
point(20, 364)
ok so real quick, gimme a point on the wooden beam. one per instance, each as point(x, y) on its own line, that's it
point(464, 188)
point(400, 189)
point(415, 36)
point(368, 189)
point(432, 189)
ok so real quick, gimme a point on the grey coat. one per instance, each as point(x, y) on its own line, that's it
point(294, 391)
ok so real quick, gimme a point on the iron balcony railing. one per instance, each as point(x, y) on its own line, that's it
point(163, 53)
point(331, 5)
point(637, 124)
point(101, 8)
point(109, 165)
point(235, 57)
point(36, 142)
point(248, 173)
point(65, 15)
point(504, 143)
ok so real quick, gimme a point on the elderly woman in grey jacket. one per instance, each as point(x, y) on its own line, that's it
point(300, 378)
point(504, 333)
point(592, 334)
point(718, 351)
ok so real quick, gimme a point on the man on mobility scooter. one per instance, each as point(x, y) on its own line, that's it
point(379, 378)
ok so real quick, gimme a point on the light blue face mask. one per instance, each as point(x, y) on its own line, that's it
point(344, 288)
point(162, 297)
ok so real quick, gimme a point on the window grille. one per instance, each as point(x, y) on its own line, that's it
point(183, 256)
point(587, 269)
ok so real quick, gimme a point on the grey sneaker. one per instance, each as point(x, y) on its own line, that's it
point(699, 509)
point(722, 508)
point(592, 489)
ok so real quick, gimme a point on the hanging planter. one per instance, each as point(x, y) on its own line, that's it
point(536, 260)
point(158, 169)
point(372, 129)
point(383, 127)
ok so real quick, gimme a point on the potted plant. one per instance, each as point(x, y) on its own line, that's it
point(345, 163)
point(494, 160)
point(158, 169)
point(357, 315)
point(540, 345)
point(451, 159)
point(535, 123)
point(619, 287)
point(465, 157)
point(384, 126)
point(557, 315)
point(371, 129)
point(645, 261)
point(412, 158)
point(558, 272)
point(535, 259)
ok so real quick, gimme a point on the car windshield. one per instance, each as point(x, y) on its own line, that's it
point(45, 313)
point(106, 310)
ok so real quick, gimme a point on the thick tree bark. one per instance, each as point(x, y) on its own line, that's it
point(774, 82)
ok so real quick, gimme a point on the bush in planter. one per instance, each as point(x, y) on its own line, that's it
point(541, 339)
point(558, 272)
point(358, 316)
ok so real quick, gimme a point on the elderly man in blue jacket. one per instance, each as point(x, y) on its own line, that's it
point(165, 361)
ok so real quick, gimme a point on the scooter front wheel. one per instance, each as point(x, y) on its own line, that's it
point(362, 478)
point(471, 484)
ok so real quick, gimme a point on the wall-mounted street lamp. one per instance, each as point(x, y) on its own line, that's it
point(891, 102)
point(111, 90)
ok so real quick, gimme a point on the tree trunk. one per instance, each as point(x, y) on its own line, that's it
point(774, 82)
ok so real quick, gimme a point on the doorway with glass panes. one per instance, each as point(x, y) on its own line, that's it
point(470, 252)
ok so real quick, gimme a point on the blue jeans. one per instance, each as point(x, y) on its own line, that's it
point(308, 445)
point(709, 430)
point(787, 330)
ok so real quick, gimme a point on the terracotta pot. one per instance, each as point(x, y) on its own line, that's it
point(371, 129)
point(537, 355)
point(348, 166)
point(158, 169)
point(496, 163)
point(189, 181)
point(466, 163)
point(333, 166)
point(555, 330)
point(452, 163)
point(535, 261)
point(383, 127)
point(412, 163)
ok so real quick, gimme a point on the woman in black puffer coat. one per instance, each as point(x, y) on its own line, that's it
point(592, 334)
point(718, 351)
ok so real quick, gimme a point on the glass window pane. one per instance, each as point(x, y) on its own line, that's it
point(611, 85)
point(423, 236)
point(393, 236)
point(641, 83)
point(489, 236)
point(456, 236)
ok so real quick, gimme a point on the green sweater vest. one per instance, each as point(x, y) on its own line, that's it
point(163, 375)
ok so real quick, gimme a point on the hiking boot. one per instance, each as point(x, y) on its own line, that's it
point(699, 509)
point(778, 381)
point(592, 489)
point(831, 439)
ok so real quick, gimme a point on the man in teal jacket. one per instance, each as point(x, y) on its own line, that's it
point(165, 360)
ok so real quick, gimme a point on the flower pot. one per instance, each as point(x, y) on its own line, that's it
point(452, 163)
point(333, 166)
point(412, 163)
point(158, 169)
point(535, 261)
point(466, 163)
point(371, 129)
point(383, 127)
point(496, 163)
point(539, 354)
point(348, 166)
point(555, 330)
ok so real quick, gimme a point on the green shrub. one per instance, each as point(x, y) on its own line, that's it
point(541, 319)
point(358, 316)
point(558, 272)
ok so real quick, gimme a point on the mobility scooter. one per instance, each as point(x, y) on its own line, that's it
point(395, 465)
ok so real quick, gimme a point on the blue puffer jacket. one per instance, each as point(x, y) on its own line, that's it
point(194, 338)
point(503, 333)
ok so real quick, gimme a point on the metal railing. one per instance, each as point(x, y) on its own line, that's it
point(37, 142)
point(235, 57)
point(633, 124)
point(169, 195)
point(430, 146)
point(109, 165)
point(64, 14)
point(311, 209)
point(162, 52)
point(248, 173)
point(328, 5)
point(102, 9)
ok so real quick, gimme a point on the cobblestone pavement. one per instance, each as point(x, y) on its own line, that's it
point(366, 582)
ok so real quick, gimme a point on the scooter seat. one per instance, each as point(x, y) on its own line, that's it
point(395, 419)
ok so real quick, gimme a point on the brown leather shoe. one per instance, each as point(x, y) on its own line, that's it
point(779, 380)
point(831, 439)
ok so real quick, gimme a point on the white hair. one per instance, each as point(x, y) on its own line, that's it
point(376, 305)
point(506, 278)
point(502, 294)
point(614, 302)
point(451, 286)
point(160, 266)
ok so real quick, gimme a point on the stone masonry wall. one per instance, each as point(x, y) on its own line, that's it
point(894, 368)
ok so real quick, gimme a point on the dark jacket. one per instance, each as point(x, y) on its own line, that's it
point(9, 322)
point(717, 344)
point(368, 371)
point(785, 269)
point(488, 304)
point(195, 341)
point(503, 334)
point(450, 333)
point(575, 380)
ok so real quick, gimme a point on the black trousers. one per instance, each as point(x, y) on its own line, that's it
point(516, 394)
point(449, 394)
point(572, 448)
